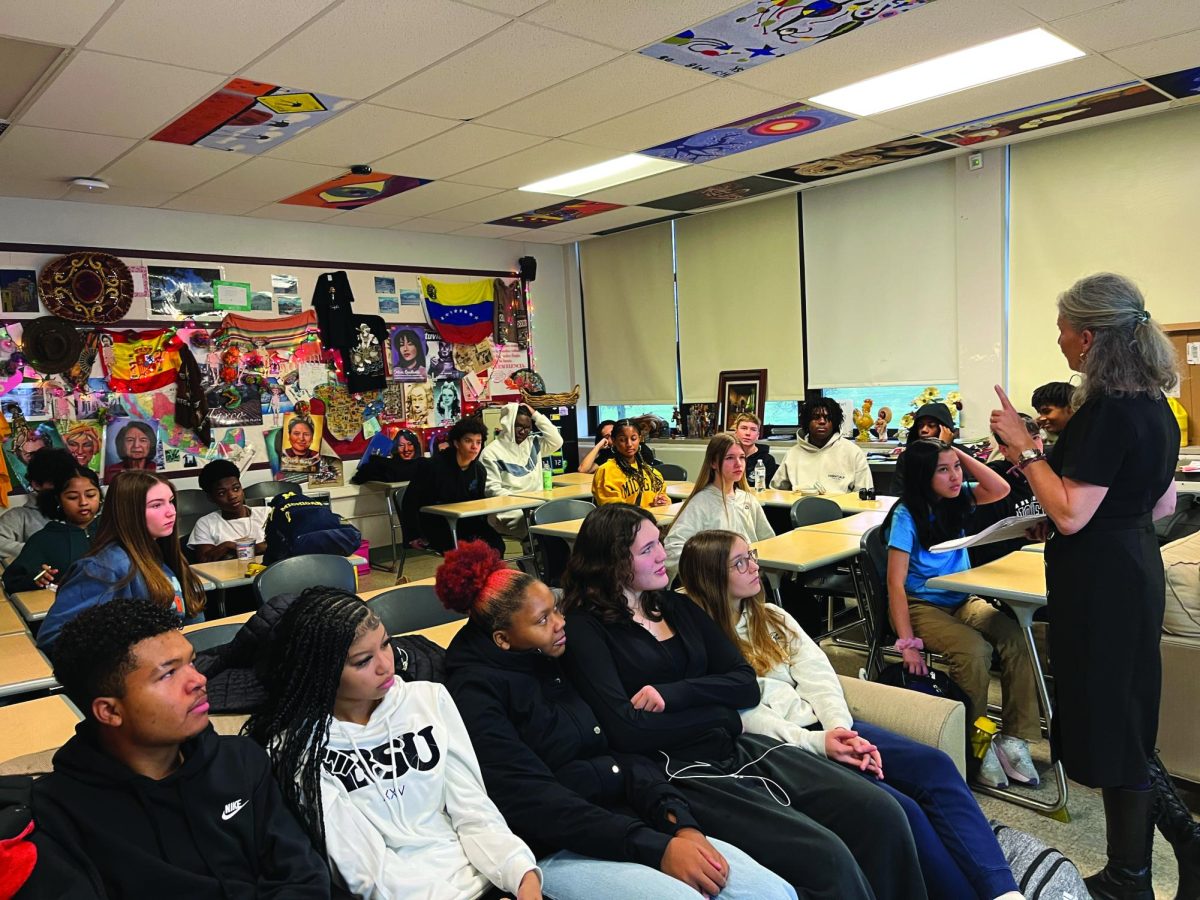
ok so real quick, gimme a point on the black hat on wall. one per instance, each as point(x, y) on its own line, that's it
point(51, 345)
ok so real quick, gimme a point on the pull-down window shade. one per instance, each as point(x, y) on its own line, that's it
point(629, 316)
point(879, 270)
point(739, 298)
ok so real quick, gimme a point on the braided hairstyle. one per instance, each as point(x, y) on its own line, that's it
point(628, 469)
point(475, 580)
point(304, 671)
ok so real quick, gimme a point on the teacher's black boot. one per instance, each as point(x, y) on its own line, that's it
point(1182, 832)
point(1129, 818)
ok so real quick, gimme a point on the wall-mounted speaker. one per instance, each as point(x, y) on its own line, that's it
point(528, 266)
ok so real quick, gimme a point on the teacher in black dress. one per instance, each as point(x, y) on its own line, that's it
point(1109, 476)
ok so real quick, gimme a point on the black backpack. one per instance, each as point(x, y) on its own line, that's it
point(300, 525)
point(1181, 523)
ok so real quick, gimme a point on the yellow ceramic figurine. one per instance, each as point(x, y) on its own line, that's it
point(863, 420)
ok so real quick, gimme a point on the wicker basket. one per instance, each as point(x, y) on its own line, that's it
point(568, 398)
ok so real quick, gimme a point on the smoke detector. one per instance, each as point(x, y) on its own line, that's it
point(90, 184)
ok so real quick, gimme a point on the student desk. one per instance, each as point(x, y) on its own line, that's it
point(422, 582)
point(36, 725)
point(23, 668)
point(1019, 580)
point(560, 492)
point(574, 478)
point(387, 487)
point(856, 524)
point(442, 634)
point(801, 550)
point(679, 490)
point(452, 512)
point(569, 530)
point(10, 622)
point(229, 573)
point(34, 605)
point(849, 503)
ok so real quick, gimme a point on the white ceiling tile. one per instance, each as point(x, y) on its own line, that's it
point(361, 46)
point(614, 218)
point(47, 153)
point(506, 203)
point(37, 189)
point(464, 147)
point(26, 65)
point(708, 106)
point(543, 161)
point(839, 139)
point(265, 179)
point(154, 165)
point(204, 203)
point(490, 231)
point(1042, 86)
point(102, 94)
point(360, 219)
point(922, 33)
point(538, 236)
point(615, 88)
point(1130, 22)
point(628, 24)
point(59, 22)
point(1049, 10)
point(1160, 57)
point(292, 213)
point(234, 32)
point(428, 226)
point(468, 84)
point(430, 198)
point(667, 184)
point(360, 134)
point(118, 196)
point(507, 7)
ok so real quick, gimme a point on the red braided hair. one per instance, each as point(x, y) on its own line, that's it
point(474, 579)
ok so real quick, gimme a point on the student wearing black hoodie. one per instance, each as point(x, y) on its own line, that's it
point(594, 816)
point(150, 800)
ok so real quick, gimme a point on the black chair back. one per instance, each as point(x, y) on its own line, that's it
point(875, 608)
point(555, 551)
point(813, 511)
point(213, 636)
point(260, 492)
point(293, 575)
point(671, 472)
point(408, 608)
point(190, 506)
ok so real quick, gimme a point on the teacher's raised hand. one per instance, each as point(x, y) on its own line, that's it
point(1006, 424)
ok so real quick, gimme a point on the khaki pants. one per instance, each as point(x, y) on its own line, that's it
point(965, 636)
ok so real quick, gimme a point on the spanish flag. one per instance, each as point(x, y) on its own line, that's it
point(461, 313)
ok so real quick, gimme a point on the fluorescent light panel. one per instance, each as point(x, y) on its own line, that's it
point(993, 61)
point(602, 175)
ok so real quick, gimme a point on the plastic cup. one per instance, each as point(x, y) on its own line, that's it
point(245, 549)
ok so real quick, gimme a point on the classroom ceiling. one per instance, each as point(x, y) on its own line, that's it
point(250, 109)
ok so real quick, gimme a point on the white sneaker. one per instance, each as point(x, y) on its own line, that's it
point(990, 773)
point(1014, 757)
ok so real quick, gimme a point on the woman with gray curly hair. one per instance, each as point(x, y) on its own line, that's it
point(1109, 476)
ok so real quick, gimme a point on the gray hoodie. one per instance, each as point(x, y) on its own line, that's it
point(838, 467)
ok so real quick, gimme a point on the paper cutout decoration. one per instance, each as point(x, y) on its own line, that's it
point(726, 192)
point(859, 160)
point(769, 29)
point(250, 117)
point(567, 211)
point(1182, 84)
point(461, 313)
point(766, 128)
point(352, 191)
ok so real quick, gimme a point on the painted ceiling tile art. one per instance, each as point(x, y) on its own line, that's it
point(728, 192)
point(859, 160)
point(351, 191)
point(1183, 84)
point(567, 211)
point(766, 128)
point(769, 29)
point(1057, 112)
point(250, 117)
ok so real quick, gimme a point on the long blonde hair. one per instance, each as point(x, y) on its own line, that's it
point(714, 457)
point(704, 571)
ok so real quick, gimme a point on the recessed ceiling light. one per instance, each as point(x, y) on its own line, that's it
point(602, 175)
point(993, 61)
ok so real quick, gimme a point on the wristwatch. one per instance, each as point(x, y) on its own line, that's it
point(1029, 456)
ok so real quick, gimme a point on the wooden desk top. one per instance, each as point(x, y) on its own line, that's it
point(573, 478)
point(367, 595)
point(10, 622)
point(857, 524)
point(227, 573)
point(679, 490)
point(851, 503)
point(803, 551)
point(237, 619)
point(22, 666)
point(665, 514)
point(569, 530)
point(1018, 579)
point(34, 605)
point(483, 507)
point(561, 492)
point(441, 634)
point(36, 725)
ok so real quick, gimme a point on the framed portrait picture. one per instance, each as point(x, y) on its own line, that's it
point(739, 391)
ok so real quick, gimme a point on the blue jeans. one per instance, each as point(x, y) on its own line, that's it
point(569, 876)
point(958, 852)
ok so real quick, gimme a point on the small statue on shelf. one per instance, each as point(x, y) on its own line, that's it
point(863, 420)
point(880, 430)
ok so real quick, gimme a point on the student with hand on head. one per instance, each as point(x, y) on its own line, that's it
point(1018, 502)
point(821, 456)
point(71, 506)
point(932, 421)
point(136, 553)
point(149, 799)
point(595, 816)
point(380, 773)
point(747, 428)
point(627, 477)
point(1052, 403)
point(19, 523)
point(803, 704)
point(603, 452)
point(513, 461)
point(215, 535)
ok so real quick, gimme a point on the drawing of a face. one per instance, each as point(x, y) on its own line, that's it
point(300, 434)
point(83, 446)
point(135, 445)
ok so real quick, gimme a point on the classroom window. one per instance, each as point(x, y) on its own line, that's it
point(898, 398)
point(781, 412)
point(633, 410)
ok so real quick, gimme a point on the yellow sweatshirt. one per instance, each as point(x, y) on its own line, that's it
point(611, 485)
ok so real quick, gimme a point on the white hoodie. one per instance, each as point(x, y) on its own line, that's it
point(838, 467)
point(738, 511)
point(513, 467)
point(406, 812)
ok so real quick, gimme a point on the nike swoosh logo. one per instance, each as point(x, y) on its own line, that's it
point(232, 809)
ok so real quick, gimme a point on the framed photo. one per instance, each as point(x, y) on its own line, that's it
point(739, 391)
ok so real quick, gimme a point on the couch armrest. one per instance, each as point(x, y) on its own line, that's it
point(933, 721)
point(1178, 725)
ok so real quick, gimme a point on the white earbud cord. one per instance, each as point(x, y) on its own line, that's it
point(769, 783)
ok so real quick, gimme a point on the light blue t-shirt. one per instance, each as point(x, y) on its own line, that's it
point(922, 564)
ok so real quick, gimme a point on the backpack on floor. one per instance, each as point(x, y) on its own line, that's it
point(1042, 873)
point(300, 525)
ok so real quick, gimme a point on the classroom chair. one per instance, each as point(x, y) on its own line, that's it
point(814, 511)
point(409, 608)
point(293, 575)
point(213, 636)
point(190, 506)
point(260, 492)
point(395, 500)
point(830, 582)
point(671, 472)
point(554, 551)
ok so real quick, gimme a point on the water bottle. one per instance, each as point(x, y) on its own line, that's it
point(547, 475)
point(760, 476)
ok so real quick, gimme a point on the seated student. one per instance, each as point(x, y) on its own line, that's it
point(803, 704)
point(821, 457)
point(453, 475)
point(380, 773)
point(513, 461)
point(215, 535)
point(602, 452)
point(746, 430)
point(136, 553)
point(71, 506)
point(147, 796)
point(719, 499)
point(665, 683)
point(596, 817)
point(19, 523)
point(627, 478)
point(932, 421)
point(1052, 402)
point(1019, 502)
point(934, 507)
